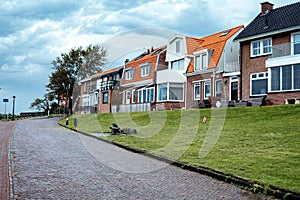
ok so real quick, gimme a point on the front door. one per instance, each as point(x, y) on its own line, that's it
point(234, 91)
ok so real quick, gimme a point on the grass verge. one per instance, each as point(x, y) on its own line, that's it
point(259, 144)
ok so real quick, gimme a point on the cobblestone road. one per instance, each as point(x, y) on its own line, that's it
point(50, 162)
point(6, 129)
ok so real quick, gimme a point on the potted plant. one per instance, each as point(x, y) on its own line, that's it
point(268, 101)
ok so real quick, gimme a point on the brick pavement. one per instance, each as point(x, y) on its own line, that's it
point(6, 129)
point(50, 162)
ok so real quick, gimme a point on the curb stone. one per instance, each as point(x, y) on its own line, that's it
point(227, 178)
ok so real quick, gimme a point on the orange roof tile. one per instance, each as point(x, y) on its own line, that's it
point(215, 42)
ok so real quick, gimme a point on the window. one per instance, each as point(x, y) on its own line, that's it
point(285, 78)
point(261, 47)
point(162, 92)
point(197, 91)
point(219, 87)
point(84, 87)
point(297, 77)
point(129, 74)
point(296, 43)
point(170, 92)
point(259, 83)
point(128, 95)
point(178, 46)
point(175, 91)
point(133, 96)
point(206, 89)
point(116, 77)
point(201, 61)
point(145, 70)
point(146, 95)
point(178, 65)
point(91, 86)
point(96, 98)
point(105, 97)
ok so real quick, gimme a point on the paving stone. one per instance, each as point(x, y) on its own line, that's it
point(50, 162)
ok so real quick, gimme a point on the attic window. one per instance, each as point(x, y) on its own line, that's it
point(157, 52)
point(225, 33)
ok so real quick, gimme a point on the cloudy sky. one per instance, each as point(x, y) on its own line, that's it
point(34, 32)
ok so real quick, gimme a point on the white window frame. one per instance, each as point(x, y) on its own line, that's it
point(216, 87)
point(177, 46)
point(207, 82)
point(280, 79)
point(197, 84)
point(145, 69)
point(129, 74)
point(133, 96)
point(261, 47)
point(103, 95)
point(177, 65)
point(256, 77)
point(168, 92)
point(84, 87)
point(96, 98)
point(145, 99)
point(293, 42)
point(127, 97)
point(199, 61)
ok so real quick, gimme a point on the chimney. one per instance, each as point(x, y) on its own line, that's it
point(266, 7)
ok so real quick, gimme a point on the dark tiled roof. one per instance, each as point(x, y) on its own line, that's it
point(277, 19)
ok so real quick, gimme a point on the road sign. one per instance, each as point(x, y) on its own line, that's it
point(5, 100)
point(63, 102)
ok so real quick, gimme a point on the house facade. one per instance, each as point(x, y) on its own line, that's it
point(270, 55)
point(213, 74)
point(108, 89)
point(98, 91)
point(138, 83)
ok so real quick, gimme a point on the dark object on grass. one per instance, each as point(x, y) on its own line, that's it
point(263, 101)
point(115, 129)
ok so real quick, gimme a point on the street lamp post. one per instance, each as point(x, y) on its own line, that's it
point(13, 111)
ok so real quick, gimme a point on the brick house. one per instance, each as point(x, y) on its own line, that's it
point(270, 54)
point(213, 70)
point(98, 90)
point(108, 89)
point(138, 83)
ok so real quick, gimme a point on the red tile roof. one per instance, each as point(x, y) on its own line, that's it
point(215, 42)
point(149, 56)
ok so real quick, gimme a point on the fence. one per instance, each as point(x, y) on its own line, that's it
point(141, 107)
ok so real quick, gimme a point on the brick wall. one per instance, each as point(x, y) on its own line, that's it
point(257, 64)
point(190, 102)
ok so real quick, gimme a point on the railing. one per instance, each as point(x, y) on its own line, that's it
point(141, 107)
point(108, 85)
point(232, 67)
point(285, 49)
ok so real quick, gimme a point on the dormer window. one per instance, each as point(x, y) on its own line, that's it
point(177, 46)
point(201, 61)
point(129, 74)
point(145, 69)
point(177, 65)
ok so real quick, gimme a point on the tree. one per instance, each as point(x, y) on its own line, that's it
point(40, 105)
point(74, 66)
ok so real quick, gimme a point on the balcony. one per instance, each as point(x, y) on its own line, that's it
point(108, 85)
point(284, 54)
point(232, 67)
point(285, 49)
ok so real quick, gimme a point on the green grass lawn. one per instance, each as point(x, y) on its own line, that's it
point(260, 144)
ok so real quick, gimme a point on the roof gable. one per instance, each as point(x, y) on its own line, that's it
point(216, 43)
point(275, 20)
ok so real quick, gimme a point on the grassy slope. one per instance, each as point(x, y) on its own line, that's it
point(258, 144)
